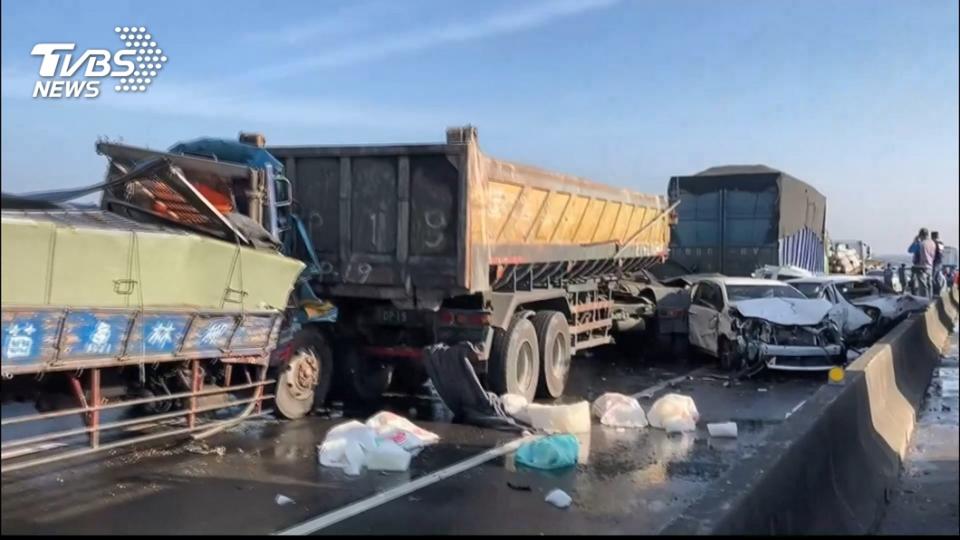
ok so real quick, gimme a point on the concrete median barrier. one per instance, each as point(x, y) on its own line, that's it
point(830, 467)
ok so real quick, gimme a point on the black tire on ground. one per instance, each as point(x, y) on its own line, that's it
point(729, 359)
point(409, 378)
point(680, 346)
point(365, 379)
point(553, 339)
point(629, 343)
point(304, 380)
point(514, 365)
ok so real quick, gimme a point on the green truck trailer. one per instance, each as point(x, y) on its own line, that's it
point(138, 328)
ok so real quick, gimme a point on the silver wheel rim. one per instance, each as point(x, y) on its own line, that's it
point(303, 374)
point(524, 365)
point(561, 360)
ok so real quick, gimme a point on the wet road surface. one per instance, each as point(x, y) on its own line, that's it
point(926, 501)
point(629, 480)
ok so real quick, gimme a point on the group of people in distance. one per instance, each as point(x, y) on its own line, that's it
point(927, 275)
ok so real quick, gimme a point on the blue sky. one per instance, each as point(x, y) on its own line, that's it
point(859, 98)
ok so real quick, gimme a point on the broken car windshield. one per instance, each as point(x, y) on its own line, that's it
point(751, 292)
point(810, 290)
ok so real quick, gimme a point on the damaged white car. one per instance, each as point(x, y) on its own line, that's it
point(751, 323)
point(859, 297)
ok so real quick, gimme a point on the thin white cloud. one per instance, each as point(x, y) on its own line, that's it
point(349, 19)
point(169, 98)
point(523, 16)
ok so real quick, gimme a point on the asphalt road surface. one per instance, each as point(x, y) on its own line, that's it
point(628, 481)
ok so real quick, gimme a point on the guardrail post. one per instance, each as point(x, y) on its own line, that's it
point(95, 399)
point(195, 386)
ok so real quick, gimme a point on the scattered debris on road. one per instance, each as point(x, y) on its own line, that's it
point(618, 410)
point(204, 449)
point(558, 498)
point(548, 453)
point(386, 442)
point(722, 429)
point(674, 413)
point(283, 500)
point(572, 418)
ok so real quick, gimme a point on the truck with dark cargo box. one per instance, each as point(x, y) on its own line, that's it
point(424, 244)
point(737, 218)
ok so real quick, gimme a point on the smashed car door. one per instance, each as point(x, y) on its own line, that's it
point(704, 316)
point(848, 316)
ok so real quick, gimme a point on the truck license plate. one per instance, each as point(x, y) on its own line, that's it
point(393, 316)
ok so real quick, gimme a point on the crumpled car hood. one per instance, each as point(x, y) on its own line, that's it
point(786, 311)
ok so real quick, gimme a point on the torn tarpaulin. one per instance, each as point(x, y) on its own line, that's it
point(453, 376)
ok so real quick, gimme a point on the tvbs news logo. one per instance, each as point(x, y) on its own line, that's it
point(129, 69)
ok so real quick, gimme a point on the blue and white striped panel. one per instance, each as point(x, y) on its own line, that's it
point(803, 249)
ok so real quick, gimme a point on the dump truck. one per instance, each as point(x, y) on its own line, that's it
point(441, 243)
point(118, 330)
point(734, 219)
point(425, 244)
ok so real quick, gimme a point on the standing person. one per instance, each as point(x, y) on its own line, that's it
point(902, 274)
point(923, 250)
point(938, 277)
point(888, 275)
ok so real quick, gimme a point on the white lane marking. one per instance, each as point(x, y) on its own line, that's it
point(649, 392)
point(325, 520)
point(795, 409)
point(330, 518)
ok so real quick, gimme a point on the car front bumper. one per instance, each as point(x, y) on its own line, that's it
point(800, 358)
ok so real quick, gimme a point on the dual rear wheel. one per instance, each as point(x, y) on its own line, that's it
point(531, 357)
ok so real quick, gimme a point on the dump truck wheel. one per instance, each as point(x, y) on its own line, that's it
point(514, 366)
point(553, 338)
point(305, 378)
point(366, 378)
point(409, 379)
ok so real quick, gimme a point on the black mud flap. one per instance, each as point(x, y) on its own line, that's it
point(456, 382)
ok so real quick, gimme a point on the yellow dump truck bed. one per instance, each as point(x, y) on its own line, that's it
point(394, 221)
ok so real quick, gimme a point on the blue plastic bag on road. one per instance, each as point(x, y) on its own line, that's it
point(552, 452)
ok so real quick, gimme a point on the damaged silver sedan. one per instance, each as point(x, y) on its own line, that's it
point(749, 324)
point(870, 308)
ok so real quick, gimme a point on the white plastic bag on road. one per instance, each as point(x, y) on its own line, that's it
point(674, 413)
point(403, 432)
point(558, 498)
point(516, 406)
point(618, 410)
point(345, 446)
point(387, 455)
point(385, 443)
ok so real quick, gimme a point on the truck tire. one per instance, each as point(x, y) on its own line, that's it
point(409, 379)
point(365, 378)
point(305, 379)
point(514, 366)
point(553, 338)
